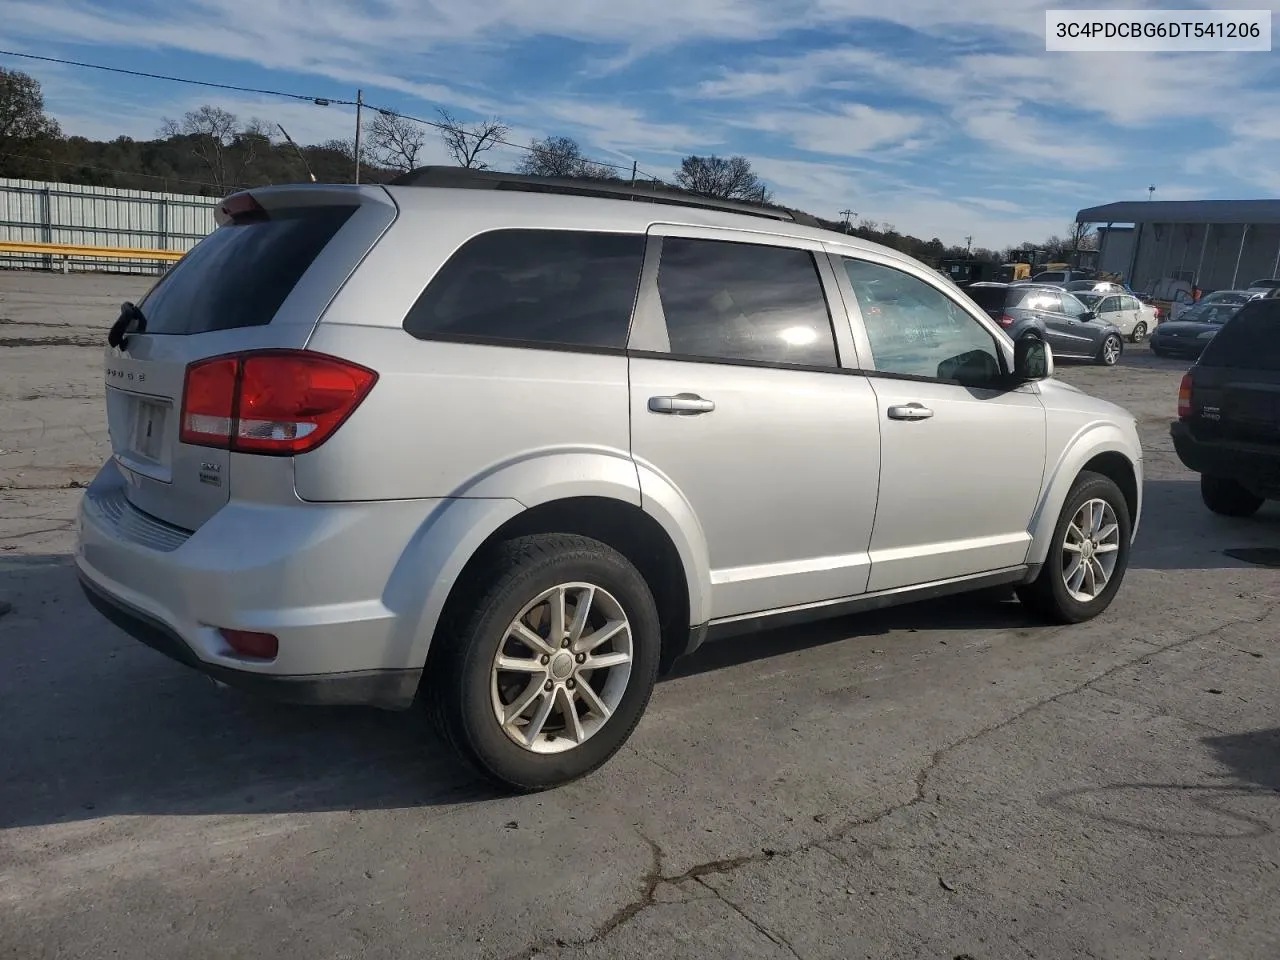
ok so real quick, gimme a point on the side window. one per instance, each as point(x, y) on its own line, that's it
point(1073, 307)
point(742, 301)
point(916, 330)
point(1131, 304)
point(1110, 305)
point(1045, 300)
point(534, 286)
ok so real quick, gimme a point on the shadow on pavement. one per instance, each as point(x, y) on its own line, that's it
point(1253, 757)
point(1178, 532)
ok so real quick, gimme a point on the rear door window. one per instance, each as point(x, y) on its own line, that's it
point(991, 299)
point(1248, 341)
point(240, 274)
point(742, 301)
point(534, 288)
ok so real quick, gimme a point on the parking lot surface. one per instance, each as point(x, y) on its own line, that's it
point(945, 780)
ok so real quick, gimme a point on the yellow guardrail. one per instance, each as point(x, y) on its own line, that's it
point(66, 250)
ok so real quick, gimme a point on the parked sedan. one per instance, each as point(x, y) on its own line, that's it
point(1051, 314)
point(1134, 318)
point(1195, 327)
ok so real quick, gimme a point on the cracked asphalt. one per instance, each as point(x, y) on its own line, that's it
point(948, 780)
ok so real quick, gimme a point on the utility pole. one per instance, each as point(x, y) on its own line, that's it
point(359, 110)
point(848, 220)
point(635, 165)
point(1151, 192)
point(968, 244)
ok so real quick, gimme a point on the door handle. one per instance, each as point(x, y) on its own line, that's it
point(910, 411)
point(681, 405)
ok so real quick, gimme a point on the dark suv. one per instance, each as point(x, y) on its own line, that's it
point(1051, 314)
point(1228, 426)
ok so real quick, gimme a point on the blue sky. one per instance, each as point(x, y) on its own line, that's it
point(943, 118)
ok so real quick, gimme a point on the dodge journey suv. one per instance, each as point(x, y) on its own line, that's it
point(505, 448)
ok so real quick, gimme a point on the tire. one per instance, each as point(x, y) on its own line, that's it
point(1228, 497)
point(466, 688)
point(1049, 596)
point(1139, 333)
point(1111, 350)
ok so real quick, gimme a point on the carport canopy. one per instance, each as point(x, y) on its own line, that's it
point(1214, 243)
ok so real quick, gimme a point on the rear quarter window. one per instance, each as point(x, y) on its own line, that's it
point(239, 275)
point(534, 287)
point(1248, 341)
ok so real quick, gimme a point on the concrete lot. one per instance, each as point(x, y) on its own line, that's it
point(942, 781)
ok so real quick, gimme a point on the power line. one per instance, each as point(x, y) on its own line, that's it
point(323, 101)
point(306, 98)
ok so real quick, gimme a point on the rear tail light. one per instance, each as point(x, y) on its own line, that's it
point(241, 208)
point(1184, 397)
point(281, 402)
point(260, 646)
point(1005, 320)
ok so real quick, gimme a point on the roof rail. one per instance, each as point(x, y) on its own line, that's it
point(642, 190)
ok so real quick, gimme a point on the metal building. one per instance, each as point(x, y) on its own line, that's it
point(1217, 244)
point(33, 211)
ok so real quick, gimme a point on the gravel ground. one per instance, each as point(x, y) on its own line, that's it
point(940, 781)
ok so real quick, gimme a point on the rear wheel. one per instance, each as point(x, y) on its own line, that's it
point(1139, 333)
point(547, 668)
point(1228, 498)
point(1110, 351)
point(1088, 555)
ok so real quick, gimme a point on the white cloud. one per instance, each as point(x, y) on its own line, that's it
point(998, 123)
point(850, 130)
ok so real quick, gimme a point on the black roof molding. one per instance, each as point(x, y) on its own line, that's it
point(643, 190)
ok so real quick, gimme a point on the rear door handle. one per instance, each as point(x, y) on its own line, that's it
point(910, 411)
point(682, 404)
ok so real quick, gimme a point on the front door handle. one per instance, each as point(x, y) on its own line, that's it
point(681, 405)
point(910, 411)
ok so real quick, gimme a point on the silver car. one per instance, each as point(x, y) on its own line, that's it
point(505, 453)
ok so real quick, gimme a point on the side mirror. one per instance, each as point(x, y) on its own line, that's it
point(1032, 360)
point(1090, 315)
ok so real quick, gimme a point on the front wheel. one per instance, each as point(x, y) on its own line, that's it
point(1109, 352)
point(1228, 498)
point(546, 670)
point(1088, 555)
point(1139, 333)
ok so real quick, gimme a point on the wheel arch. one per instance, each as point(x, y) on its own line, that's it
point(592, 493)
point(1101, 448)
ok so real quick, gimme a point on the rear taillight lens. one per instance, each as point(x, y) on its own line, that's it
point(275, 402)
point(1005, 320)
point(1184, 397)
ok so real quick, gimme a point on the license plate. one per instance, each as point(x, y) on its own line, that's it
point(147, 438)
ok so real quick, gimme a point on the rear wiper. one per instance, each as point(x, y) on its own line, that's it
point(130, 316)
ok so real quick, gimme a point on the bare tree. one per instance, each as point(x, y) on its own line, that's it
point(466, 143)
point(553, 157)
point(729, 178)
point(218, 140)
point(395, 142)
point(1081, 236)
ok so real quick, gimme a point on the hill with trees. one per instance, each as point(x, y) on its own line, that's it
point(212, 152)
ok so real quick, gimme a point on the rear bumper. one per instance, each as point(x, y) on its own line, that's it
point(313, 575)
point(1255, 465)
point(391, 689)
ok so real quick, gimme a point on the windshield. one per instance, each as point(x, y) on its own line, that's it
point(1219, 312)
point(1226, 297)
point(1268, 282)
point(1090, 300)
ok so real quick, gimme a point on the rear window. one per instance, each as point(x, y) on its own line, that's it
point(553, 287)
point(1248, 341)
point(1051, 277)
point(990, 298)
point(240, 274)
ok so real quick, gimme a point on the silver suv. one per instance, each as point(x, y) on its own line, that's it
point(505, 449)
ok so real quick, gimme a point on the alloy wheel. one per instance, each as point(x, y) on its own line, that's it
point(562, 668)
point(1111, 350)
point(1090, 550)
